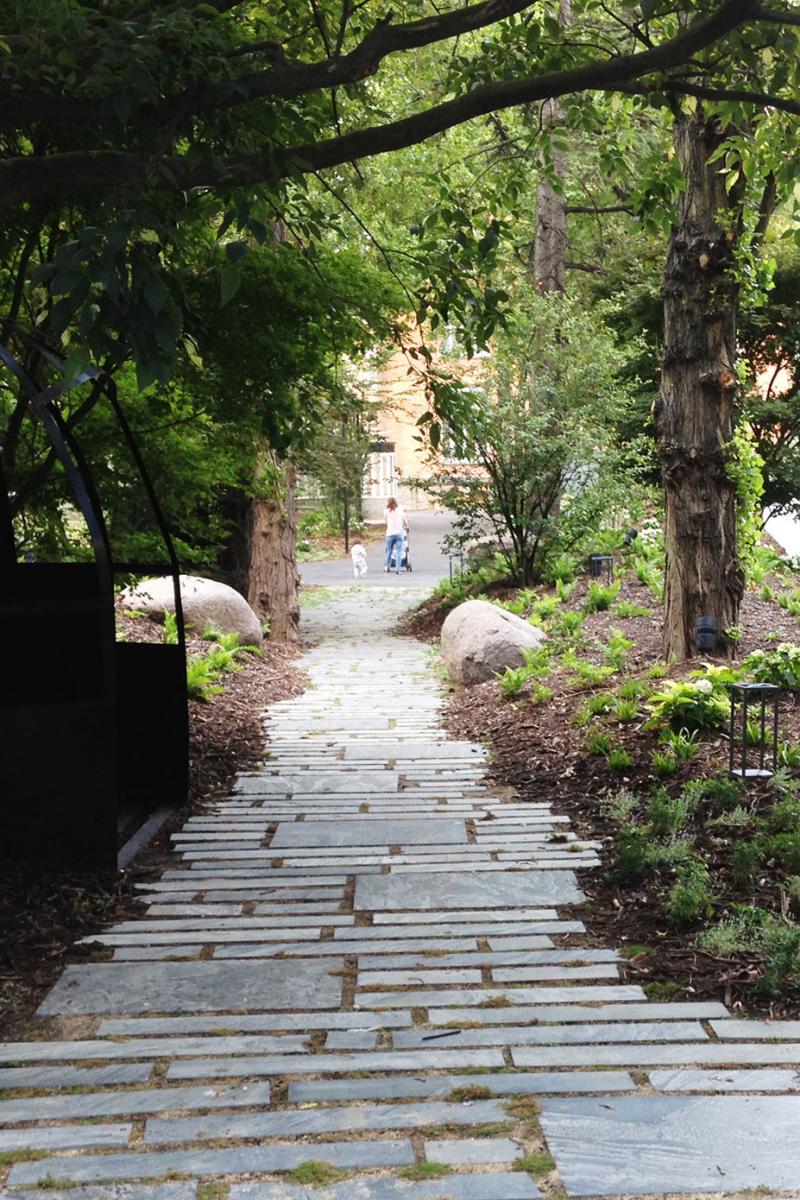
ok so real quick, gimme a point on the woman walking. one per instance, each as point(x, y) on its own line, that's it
point(396, 527)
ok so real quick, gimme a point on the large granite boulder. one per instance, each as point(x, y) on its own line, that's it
point(205, 602)
point(479, 639)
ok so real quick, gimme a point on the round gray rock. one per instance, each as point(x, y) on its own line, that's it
point(479, 639)
point(205, 602)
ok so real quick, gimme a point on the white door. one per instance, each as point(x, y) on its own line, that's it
point(380, 479)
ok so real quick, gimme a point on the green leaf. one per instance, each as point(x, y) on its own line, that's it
point(78, 361)
point(230, 278)
point(648, 7)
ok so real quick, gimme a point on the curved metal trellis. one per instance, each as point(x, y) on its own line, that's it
point(91, 713)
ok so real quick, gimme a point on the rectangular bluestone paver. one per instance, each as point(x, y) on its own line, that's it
point(658, 1144)
point(549, 1035)
point(319, 1064)
point(751, 1031)
point(209, 924)
point(514, 1015)
point(357, 946)
point(398, 1087)
point(435, 891)
point(57, 1077)
point(132, 1102)
point(232, 1023)
point(308, 1122)
point(454, 927)
point(351, 1039)
point(492, 1186)
point(150, 1048)
point(446, 916)
point(185, 1190)
point(232, 1161)
point(401, 832)
point(418, 975)
point(534, 974)
point(726, 1080)
point(463, 1152)
point(699, 1053)
point(522, 995)
point(192, 987)
point(65, 1137)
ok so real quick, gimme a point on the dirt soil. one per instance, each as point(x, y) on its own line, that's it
point(42, 915)
point(540, 751)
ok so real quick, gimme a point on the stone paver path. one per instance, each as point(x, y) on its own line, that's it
point(364, 929)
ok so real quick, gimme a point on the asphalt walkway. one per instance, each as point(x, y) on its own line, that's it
point(429, 562)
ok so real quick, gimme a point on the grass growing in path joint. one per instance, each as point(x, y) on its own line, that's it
point(425, 1170)
point(316, 1173)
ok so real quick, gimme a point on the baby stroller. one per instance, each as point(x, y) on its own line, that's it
point(405, 557)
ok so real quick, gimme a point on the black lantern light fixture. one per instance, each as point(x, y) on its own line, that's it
point(705, 633)
point(749, 703)
point(601, 566)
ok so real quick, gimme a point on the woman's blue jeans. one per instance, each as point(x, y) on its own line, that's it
point(394, 542)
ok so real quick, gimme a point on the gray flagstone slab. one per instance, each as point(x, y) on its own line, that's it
point(230, 1023)
point(697, 1011)
point(231, 1161)
point(384, 833)
point(438, 892)
point(160, 1191)
point(678, 1055)
point(308, 1122)
point(320, 1064)
point(406, 1086)
point(192, 987)
point(658, 1144)
point(522, 995)
point(463, 1152)
point(58, 1077)
point(726, 1080)
point(753, 1030)
point(132, 1102)
point(447, 916)
point(150, 1048)
point(549, 1035)
point(495, 1185)
point(65, 1137)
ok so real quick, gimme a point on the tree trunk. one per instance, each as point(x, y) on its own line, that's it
point(550, 244)
point(694, 411)
point(272, 578)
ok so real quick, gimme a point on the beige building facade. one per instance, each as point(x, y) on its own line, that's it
point(398, 460)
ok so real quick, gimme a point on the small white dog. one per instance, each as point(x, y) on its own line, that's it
point(359, 557)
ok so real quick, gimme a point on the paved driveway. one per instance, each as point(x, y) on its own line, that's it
point(427, 529)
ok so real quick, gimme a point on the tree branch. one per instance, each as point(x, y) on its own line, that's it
point(96, 173)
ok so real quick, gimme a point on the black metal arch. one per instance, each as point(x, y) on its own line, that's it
point(88, 731)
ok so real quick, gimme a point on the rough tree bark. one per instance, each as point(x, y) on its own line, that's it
point(273, 581)
point(550, 244)
point(694, 410)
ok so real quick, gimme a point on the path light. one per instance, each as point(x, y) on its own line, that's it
point(459, 558)
point(601, 566)
point(705, 633)
point(746, 699)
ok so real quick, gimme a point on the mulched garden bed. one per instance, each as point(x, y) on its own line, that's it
point(539, 750)
point(42, 915)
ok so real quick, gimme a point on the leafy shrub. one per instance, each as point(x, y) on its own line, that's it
point(201, 678)
point(780, 666)
point(599, 703)
point(690, 896)
point(745, 862)
point(632, 690)
point(785, 816)
point(512, 681)
point(599, 741)
point(563, 589)
point(689, 704)
point(780, 945)
point(674, 852)
point(736, 818)
point(680, 742)
point(619, 759)
point(668, 814)
point(730, 936)
point(631, 847)
point(569, 622)
point(663, 763)
point(626, 608)
point(720, 793)
point(784, 848)
point(543, 609)
point(599, 597)
point(626, 710)
point(560, 568)
point(616, 649)
point(621, 805)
